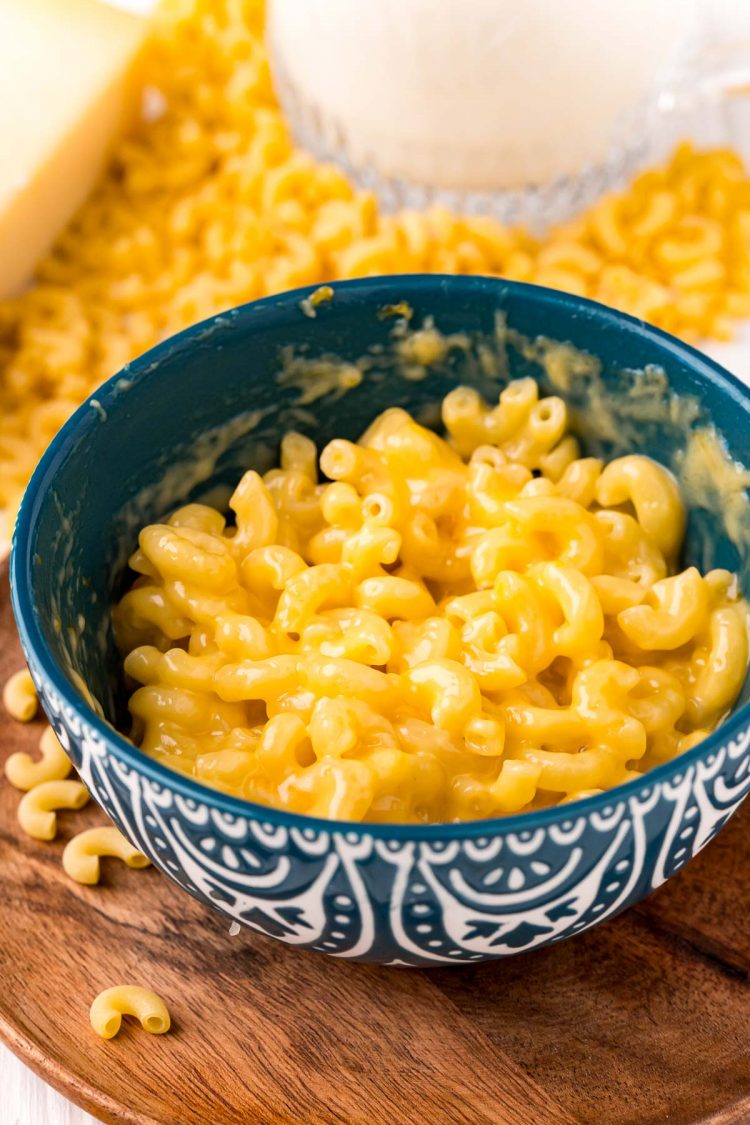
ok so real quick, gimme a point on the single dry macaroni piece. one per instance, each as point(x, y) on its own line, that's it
point(82, 853)
point(19, 696)
point(111, 1005)
point(206, 204)
point(24, 772)
point(449, 628)
point(36, 809)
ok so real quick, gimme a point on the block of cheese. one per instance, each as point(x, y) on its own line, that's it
point(66, 82)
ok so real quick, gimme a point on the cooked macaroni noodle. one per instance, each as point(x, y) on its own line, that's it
point(24, 772)
point(36, 809)
point(82, 853)
point(111, 1005)
point(449, 629)
point(19, 696)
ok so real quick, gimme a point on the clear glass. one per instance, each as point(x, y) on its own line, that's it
point(526, 111)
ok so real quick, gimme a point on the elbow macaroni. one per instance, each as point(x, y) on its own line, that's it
point(36, 809)
point(82, 854)
point(19, 696)
point(463, 627)
point(111, 1005)
point(54, 765)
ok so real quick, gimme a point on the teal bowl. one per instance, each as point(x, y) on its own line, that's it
point(183, 422)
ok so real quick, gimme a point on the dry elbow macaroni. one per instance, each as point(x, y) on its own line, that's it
point(46, 790)
point(111, 1005)
point(54, 765)
point(447, 630)
point(82, 854)
point(19, 696)
point(206, 204)
point(36, 809)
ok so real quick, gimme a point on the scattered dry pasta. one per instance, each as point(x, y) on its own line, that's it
point(207, 204)
point(111, 1005)
point(36, 809)
point(24, 772)
point(19, 696)
point(447, 630)
point(82, 854)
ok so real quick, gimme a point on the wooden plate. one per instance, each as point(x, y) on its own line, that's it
point(645, 1019)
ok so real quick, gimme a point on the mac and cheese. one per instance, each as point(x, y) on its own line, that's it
point(449, 628)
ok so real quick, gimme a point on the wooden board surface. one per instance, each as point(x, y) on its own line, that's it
point(645, 1019)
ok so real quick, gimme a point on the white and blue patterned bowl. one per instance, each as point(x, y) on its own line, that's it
point(187, 418)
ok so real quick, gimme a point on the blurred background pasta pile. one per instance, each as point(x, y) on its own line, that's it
point(206, 203)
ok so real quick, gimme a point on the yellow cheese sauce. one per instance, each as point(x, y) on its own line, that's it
point(711, 479)
point(310, 304)
point(318, 378)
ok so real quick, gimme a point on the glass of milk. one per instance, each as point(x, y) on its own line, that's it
point(524, 109)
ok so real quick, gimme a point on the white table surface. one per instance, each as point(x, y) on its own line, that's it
point(29, 1101)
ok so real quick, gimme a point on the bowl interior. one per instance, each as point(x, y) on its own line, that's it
point(185, 420)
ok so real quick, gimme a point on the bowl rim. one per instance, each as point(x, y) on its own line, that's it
point(377, 290)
